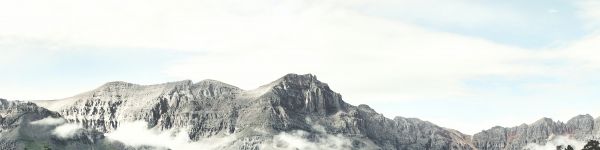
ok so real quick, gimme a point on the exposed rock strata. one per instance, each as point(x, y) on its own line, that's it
point(212, 108)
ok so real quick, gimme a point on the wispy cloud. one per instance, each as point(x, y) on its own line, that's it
point(49, 121)
point(591, 12)
point(138, 134)
point(61, 128)
point(67, 130)
point(317, 139)
point(555, 141)
point(300, 140)
point(375, 52)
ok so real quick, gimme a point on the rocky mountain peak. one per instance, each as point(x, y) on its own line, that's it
point(306, 94)
point(581, 125)
point(215, 83)
point(544, 121)
point(12, 113)
point(3, 101)
point(299, 81)
point(296, 77)
point(365, 108)
point(117, 84)
point(581, 119)
point(169, 85)
point(212, 108)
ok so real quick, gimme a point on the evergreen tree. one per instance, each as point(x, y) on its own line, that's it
point(46, 147)
point(569, 147)
point(562, 147)
point(592, 145)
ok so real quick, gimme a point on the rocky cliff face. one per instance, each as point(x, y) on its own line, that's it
point(212, 109)
point(21, 128)
point(292, 105)
point(582, 127)
point(14, 115)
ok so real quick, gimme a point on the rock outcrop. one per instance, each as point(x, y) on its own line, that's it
point(581, 127)
point(298, 105)
point(19, 130)
point(211, 108)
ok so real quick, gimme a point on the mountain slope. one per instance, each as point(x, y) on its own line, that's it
point(24, 125)
point(581, 127)
point(214, 109)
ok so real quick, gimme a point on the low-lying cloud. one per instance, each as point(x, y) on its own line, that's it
point(319, 140)
point(62, 129)
point(49, 121)
point(302, 140)
point(138, 134)
point(555, 141)
point(67, 130)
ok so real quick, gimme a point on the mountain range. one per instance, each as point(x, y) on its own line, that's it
point(292, 112)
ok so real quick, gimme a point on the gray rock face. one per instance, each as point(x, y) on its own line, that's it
point(20, 128)
point(211, 109)
point(18, 132)
point(582, 127)
point(13, 116)
point(14, 113)
point(290, 104)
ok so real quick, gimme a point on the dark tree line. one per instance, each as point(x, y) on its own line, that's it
point(591, 145)
point(561, 147)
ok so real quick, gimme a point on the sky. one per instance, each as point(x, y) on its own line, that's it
point(462, 64)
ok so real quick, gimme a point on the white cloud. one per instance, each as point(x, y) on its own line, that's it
point(584, 53)
point(67, 130)
point(462, 13)
point(137, 134)
point(555, 141)
point(355, 53)
point(318, 140)
point(363, 56)
point(49, 121)
point(62, 129)
point(590, 11)
point(300, 140)
point(337, 40)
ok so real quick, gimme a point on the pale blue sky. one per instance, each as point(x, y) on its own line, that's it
point(530, 24)
point(463, 64)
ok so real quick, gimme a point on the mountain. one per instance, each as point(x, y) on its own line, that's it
point(292, 112)
point(581, 127)
point(24, 125)
point(290, 104)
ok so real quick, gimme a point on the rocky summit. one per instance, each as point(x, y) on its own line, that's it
point(582, 128)
point(290, 110)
